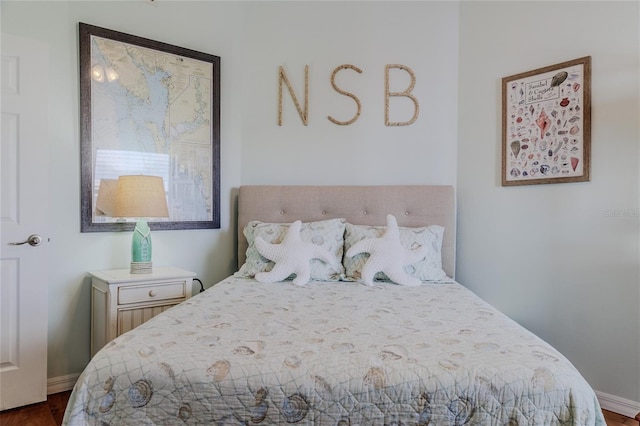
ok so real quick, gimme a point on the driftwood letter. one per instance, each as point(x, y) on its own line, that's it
point(406, 93)
point(343, 92)
point(282, 77)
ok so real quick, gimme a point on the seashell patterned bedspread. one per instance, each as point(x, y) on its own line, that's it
point(337, 353)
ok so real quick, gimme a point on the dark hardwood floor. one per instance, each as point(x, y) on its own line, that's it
point(51, 412)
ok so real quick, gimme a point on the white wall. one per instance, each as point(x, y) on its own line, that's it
point(253, 40)
point(583, 295)
point(214, 28)
point(369, 35)
point(552, 256)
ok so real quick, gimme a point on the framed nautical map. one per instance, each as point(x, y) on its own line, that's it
point(148, 108)
point(546, 124)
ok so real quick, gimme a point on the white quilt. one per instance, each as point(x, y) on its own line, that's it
point(337, 353)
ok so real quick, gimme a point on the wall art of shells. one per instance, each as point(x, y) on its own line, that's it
point(546, 124)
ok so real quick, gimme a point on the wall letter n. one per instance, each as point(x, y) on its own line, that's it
point(282, 77)
point(406, 93)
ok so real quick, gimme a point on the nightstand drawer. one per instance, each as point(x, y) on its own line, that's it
point(151, 292)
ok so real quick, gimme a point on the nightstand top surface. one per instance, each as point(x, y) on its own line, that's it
point(124, 275)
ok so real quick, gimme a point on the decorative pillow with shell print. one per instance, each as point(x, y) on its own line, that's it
point(328, 234)
point(428, 269)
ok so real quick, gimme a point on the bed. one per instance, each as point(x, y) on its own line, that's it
point(334, 351)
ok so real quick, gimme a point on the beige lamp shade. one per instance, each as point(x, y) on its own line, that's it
point(140, 196)
point(106, 196)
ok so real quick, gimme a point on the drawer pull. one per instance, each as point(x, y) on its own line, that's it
point(152, 293)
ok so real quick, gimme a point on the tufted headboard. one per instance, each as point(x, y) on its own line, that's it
point(412, 205)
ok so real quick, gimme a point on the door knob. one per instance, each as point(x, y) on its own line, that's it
point(33, 240)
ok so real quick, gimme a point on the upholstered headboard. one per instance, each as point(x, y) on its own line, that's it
point(412, 205)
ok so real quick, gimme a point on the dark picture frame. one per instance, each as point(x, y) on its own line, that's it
point(160, 116)
point(546, 124)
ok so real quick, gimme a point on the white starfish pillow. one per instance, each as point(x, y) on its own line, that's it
point(386, 254)
point(291, 256)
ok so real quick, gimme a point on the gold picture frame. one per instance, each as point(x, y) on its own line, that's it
point(546, 124)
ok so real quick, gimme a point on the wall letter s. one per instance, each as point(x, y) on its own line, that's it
point(343, 92)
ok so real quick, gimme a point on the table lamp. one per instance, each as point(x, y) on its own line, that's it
point(140, 196)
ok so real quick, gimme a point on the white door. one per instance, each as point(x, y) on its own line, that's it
point(23, 213)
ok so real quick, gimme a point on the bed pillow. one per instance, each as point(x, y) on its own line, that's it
point(292, 257)
point(387, 255)
point(328, 234)
point(428, 269)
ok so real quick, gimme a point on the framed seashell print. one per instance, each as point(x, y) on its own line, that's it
point(546, 124)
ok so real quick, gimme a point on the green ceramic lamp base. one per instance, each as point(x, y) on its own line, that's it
point(141, 248)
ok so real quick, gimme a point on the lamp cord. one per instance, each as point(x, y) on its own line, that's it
point(201, 286)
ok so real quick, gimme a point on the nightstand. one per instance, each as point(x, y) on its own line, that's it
point(121, 301)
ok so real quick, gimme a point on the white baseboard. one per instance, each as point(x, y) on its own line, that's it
point(61, 383)
point(626, 407)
